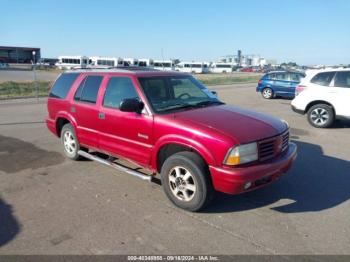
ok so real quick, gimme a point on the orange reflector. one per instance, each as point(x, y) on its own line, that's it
point(233, 160)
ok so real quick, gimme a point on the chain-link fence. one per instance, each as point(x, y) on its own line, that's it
point(25, 83)
point(11, 89)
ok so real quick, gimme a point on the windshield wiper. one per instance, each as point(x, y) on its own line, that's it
point(176, 106)
point(209, 102)
point(182, 105)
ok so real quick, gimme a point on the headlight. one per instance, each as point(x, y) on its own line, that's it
point(285, 122)
point(242, 154)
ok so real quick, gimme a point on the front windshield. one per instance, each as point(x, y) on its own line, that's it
point(170, 93)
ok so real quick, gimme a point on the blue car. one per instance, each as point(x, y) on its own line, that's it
point(279, 83)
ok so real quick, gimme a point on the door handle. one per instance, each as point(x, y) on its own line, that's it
point(101, 115)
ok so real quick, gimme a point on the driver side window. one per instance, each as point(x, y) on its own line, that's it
point(118, 89)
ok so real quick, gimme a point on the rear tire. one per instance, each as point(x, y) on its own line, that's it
point(70, 142)
point(267, 93)
point(186, 181)
point(321, 116)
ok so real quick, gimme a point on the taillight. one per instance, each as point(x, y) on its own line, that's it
point(299, 89)
point(260, 81)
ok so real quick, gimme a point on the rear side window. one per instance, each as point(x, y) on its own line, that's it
point(295, 77)
point(271, 76)
point(323, 79)
point(88, 89)
point(342, 79)
point(62, 85)
point(118, 89)
point(282, 76)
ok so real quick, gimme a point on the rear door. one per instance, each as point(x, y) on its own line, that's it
point(282, 84)
point(126, 134)
point(85, 110)
point(294, 81)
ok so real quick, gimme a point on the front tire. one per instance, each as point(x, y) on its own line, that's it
point(267, 93)
point(321, 116)
point(70, 142)
point(186, 181)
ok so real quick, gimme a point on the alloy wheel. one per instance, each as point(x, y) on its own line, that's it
point(267, 93)
point(69, 142)
point(319, 116)
point(182, 183)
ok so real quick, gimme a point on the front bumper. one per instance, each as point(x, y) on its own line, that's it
point(232, 180)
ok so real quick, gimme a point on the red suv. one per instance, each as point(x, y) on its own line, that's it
point(168, 123)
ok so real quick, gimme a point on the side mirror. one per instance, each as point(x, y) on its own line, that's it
point(214, 93)
point(131, 105)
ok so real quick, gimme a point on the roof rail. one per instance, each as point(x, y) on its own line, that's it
point(134, 68)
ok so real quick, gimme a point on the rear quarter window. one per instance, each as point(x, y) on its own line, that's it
point(342, 79)
point(62, 85)
point(323, 79)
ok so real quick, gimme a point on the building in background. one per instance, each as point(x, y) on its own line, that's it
point(19, 55)
point(245, 60)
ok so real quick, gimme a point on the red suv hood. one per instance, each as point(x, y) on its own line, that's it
point(240, 124)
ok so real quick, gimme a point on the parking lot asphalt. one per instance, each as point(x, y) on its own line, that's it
point(51, 205)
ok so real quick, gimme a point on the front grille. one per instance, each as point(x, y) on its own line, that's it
point(266, 149)
point(285, 141)
point(274, 146)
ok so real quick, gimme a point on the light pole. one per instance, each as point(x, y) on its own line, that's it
point(34, 75)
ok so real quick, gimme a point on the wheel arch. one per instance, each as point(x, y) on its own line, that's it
point(167, 148)
point(61, 120)
point(311, 104)
point(269, 87)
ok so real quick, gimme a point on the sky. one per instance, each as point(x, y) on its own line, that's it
point(307, 32)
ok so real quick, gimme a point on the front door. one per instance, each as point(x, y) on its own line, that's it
point(125, 134)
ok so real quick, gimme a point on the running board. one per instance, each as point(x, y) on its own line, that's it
point(115, 166)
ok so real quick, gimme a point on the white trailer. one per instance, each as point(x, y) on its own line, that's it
point(164, 65)
point(206, 67)
point(99, 61)
point(71, 62)
point(221, 68)
point(146, 62)
point(130, 61)
point(190, 67)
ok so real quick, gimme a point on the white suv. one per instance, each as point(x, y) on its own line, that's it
point(324, 95)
